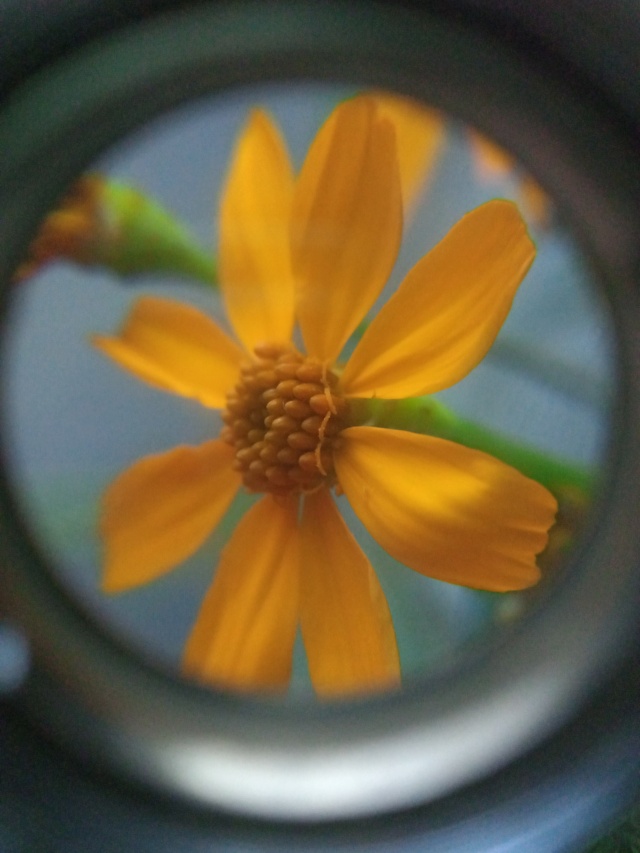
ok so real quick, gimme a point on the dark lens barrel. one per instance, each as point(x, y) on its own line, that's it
point(100, 752)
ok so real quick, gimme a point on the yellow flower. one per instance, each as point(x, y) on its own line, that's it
point(69, 231)
point(318, 249)
point(101, 223)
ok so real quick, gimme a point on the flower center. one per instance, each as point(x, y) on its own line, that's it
point(283, 418)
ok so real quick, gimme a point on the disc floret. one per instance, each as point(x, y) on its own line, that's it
point(283, 419)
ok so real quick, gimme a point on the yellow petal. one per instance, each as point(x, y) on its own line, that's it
point(345, 619)
point(346, 224)
point(446, 314)
point(76, 230)
point(535, 201)
point(492, 162)
point(490, 159)
point(254, 252)
point(160, 510)
point(244, 634)
point(419, 138)
point(176, 348)
point(446, 511)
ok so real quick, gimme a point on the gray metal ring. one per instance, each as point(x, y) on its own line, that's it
point(352, 760)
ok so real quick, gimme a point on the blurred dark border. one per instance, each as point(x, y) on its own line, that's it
point(595, 40)
point(48, 804)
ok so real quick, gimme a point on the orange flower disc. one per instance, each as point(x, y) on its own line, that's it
point(282, 419)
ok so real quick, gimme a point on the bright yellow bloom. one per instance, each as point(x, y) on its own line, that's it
point(318, 249)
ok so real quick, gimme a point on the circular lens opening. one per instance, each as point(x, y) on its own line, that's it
point(109, 368)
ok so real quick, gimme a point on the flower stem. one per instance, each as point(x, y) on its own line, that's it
point(148, 239)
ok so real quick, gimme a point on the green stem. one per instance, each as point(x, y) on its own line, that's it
point(430, 417)
point(146, 238)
